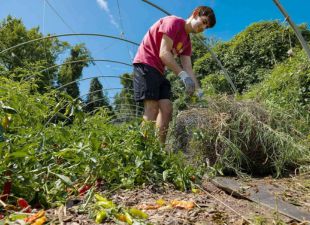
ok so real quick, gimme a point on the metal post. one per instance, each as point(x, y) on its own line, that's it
point(295, 28)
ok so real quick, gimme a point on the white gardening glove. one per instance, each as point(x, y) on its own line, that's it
point(199, 93)
point(188, 82)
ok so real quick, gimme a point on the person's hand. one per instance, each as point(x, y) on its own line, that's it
point(199, 93)
point(188, 82)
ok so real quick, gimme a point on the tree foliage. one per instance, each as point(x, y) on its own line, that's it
point(71, 72)
point(250, 54)
point(96, 97)
point(33, 57)
point(199, 48)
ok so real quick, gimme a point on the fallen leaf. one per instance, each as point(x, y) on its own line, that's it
point(182, 204)
point(148, 206)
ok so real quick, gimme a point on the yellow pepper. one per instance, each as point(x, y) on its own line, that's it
point(102, 215)
point(5, 122)
point(106, 204)
point(121, 217)
point(35, 216)
point(128, 218)
point(138, 213)
point(40, 221)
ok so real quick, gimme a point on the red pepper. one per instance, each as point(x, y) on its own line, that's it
point(7, 187)
point(84, 189)
point(23, 204)
point(1, 216)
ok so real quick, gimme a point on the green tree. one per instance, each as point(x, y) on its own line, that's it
point(28, 60)
point(198, 48)
point(96, 97)
point(71, 72)
point(251, 54)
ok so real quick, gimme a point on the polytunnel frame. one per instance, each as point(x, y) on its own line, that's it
point(77, 61)
point(66, 35)
point(117, 38)
point(82, 79)
point(85, 60)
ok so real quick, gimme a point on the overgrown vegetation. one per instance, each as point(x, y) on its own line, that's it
point(48, 158)
point(287, 88)
point(249, 55)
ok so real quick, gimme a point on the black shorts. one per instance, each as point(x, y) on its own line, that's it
point(149, 83)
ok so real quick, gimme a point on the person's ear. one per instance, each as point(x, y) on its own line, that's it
point(195, 13)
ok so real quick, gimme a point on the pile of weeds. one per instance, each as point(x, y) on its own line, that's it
point(238, 136)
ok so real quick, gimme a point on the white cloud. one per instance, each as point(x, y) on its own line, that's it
point(112, 20)
point(104, 5)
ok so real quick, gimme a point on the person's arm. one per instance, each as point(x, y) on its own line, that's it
point(166, 56)
point(187, 66)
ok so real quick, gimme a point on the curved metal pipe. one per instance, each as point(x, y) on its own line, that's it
point(157, 7)
point(97, 100)
point(86, 60)
point(72, 82)
point(108, 89)
point(66, 35)
point(118, 111)
point(78, 61)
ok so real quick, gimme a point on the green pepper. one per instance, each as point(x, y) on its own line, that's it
point(138, 213)
point(100, 198)
point(102, 215)
point(106, 204)
point(19, 216)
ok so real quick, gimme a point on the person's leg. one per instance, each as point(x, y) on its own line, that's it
point(163, 118)
point(149, 87)
point(151, 109)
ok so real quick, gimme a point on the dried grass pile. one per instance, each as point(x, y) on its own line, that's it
point(236, 136)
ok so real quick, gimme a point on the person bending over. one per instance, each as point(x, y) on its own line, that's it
point(167, 39)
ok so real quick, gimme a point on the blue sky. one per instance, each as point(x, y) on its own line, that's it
point(132, 19)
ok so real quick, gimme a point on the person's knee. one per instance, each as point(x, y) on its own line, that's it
point(151, 109)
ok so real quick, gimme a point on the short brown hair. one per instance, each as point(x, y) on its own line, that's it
point(208, 12)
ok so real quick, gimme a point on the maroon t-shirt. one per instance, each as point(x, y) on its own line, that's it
point(174, 28)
